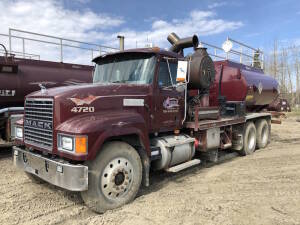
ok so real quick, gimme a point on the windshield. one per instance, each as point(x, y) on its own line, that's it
point(129, 69)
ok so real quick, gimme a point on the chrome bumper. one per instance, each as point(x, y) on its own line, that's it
point(57, 172)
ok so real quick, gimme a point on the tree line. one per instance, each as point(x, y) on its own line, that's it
point(283, 63)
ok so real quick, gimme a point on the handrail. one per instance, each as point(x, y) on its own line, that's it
point(62, 42)
point(54, 37)
point(242, 44)
point(240, 53)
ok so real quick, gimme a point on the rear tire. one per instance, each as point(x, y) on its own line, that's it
point(262, 133)
point(34, 178)
point(249, 139)
point(114, 177)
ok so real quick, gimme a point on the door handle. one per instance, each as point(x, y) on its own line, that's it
point(147, 106)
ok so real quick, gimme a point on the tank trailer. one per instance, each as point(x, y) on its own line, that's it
point(147, 109)
point(20, 76)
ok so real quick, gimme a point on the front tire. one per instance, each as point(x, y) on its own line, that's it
point(114, 177)
point(249, 139)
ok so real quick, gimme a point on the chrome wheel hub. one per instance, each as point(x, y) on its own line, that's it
point(116, 179)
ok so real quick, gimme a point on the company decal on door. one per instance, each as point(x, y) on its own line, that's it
point(170, 105)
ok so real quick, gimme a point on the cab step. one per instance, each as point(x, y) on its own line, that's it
point(183, 166)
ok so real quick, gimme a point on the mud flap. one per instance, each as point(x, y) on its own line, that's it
point(146, 167)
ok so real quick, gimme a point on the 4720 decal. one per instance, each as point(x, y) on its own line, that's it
point(78, 109)
point(83, 101)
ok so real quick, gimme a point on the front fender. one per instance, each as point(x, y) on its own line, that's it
point(101, 126)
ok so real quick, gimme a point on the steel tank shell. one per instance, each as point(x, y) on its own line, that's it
point(28, 74)
point(242, 83)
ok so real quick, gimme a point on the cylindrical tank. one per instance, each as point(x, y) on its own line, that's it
point(19, 77)
point(174, 150)
point(241, 83)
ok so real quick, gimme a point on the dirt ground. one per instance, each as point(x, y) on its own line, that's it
point(263, 188)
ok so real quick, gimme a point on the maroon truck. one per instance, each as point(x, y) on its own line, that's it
point(280, 105)
point(102, 139)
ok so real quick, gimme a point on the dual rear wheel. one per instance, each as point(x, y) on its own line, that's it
point(255, 136)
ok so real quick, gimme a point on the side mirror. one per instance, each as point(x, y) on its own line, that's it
point(181, 71)
point(181, 76)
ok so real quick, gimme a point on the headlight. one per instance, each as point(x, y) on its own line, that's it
point(67, 143)
point(19, 132)
point(72, 144)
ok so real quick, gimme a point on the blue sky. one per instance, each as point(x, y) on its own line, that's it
point(257, 23)
point(263, 21)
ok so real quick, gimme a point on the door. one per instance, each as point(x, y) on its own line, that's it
point(169, 103)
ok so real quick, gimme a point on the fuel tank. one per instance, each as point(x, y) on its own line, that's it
point(241, 83)
point(19, 77)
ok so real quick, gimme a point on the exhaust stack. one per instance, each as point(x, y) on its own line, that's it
point(179, 44)
point(201, 69)
point(121, 39)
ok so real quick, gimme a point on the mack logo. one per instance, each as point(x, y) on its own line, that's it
point(84, 101)
point(38, 124)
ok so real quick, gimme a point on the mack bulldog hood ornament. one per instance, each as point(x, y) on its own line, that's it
point(43, 88)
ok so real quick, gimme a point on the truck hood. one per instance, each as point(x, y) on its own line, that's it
point(92, 89)
point(92, 99)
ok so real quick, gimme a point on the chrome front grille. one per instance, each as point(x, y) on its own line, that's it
point(38, 122)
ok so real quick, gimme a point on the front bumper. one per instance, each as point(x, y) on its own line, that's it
point(57, 172)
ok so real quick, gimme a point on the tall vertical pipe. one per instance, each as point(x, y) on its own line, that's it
point(121, 39)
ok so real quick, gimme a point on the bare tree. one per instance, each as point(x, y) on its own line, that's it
point(283, 63)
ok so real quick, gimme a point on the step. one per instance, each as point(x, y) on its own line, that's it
point(183, 166)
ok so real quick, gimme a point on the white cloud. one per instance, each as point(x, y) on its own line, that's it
point(202, 23)
point(216, 5)
point(50, 16)
point(54, 18)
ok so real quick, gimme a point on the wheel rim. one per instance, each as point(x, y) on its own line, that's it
point(264, 134)
point(251, 139)
point(117, 178)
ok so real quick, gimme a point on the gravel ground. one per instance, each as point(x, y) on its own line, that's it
point(263, 188)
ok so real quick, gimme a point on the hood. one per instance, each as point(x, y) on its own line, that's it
point(91, 99)
point(91, 89)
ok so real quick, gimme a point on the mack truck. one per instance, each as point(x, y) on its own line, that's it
point(148, 109)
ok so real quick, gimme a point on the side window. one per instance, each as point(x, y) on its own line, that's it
point(164, 76)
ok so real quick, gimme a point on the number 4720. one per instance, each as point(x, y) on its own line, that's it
point(83, 109)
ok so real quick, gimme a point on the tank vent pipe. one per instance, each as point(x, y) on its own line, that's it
point(121, 41)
